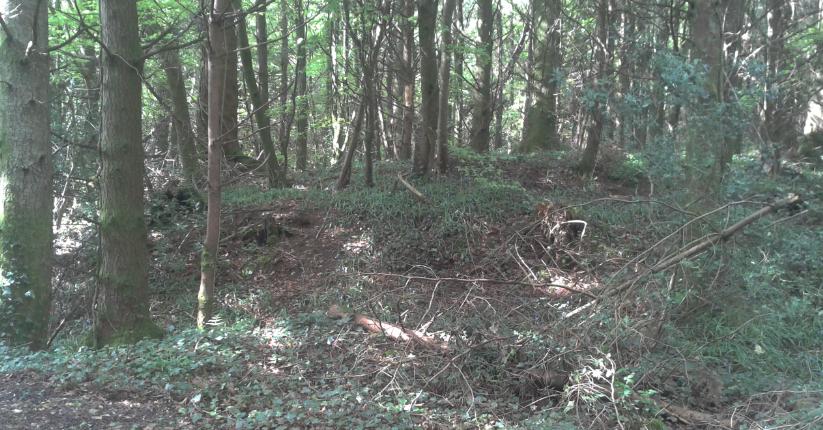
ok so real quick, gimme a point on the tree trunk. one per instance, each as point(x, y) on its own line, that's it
point(407, 75)
point(345, 169)
point(704, 144)
point(459, 61)
point(285, 120)
point(595, 133)
point(230, 140)
point(445, 74)
point(122, 312)
point(259, 105)
point(482, 114)
point(778, 128)
point(302, 103)
point(180, 116)
point(540, 122)
point(219, 61)
point(427, 26)
point(25, 174)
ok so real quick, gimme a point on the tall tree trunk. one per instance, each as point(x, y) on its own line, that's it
point(231, 137)
point(498, 104)
point(540, 122)
point(704, 144)
point(302, 103)
point(445, 74)
point(595, 133)
point(122, 312)
point(778, 128)
point(459, 61)
point(180, 116)
point(259, 105)
point(345, 169)
point(407, 74)
point(25, 174)
point(482, 113)
point(427, 26)
point(219, 61)
point(285, 119)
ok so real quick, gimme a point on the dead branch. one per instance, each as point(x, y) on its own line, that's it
point(390, 330)
point(484, 281)
point(725, 234)
point(417, 194)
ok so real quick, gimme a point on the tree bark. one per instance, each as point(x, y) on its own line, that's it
point(25, 175)
point(445, 74)
point(427, 26)
point(219, 61)
point(180, 116)
point(230, 140)
point(259, 105)
point(285, 120)
point(407, 76)
point(540, 122)
point(122, 312)
point(482, 114)
point(302, 103)
point(595, 133)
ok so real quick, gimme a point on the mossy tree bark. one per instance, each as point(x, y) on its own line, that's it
point(25, 174)
point(482, 114)
point(540, 123)
point(285, 118)
point(219, 60)
point(180, 116)
point(259, 103)
point(427, 26)
point(121, 306)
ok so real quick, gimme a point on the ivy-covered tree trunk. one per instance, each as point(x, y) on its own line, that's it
point(540, 122)
point(220, 60)
point(259, 104)
point(121, 313)
point(482, 114)
point(25, 175)
point(427, 26)
point(443, 132)
point(301, 102)
point(180, 115)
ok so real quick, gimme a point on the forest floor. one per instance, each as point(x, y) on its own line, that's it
point(490, 303)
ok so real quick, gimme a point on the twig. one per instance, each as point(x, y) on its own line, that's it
point(5, 28)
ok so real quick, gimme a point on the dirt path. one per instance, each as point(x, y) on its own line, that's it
point(29, 402)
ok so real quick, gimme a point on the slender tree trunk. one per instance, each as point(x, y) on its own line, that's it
point(445, 73)
point(540, 122)
point(459, 60)
point(345, 170)
point(259, 105)
point(498, 104)
point(122, 312)
point(482, 114)
point(407, 75)
point(427, 26)
point(219, 61)
point(302, 103)
point(777, 127)
point(285, 120)
point(180, 116)
point(25, 174)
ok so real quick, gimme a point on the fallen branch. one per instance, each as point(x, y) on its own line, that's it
point(485, 281)
point(390, 330)
point(417, 194)
point(725, 234)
